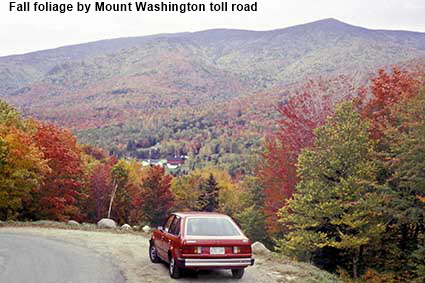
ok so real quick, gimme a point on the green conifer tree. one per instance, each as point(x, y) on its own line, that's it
point(209, 196)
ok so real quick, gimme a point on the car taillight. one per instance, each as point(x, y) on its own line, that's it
point(191, 250)
point(242, 249)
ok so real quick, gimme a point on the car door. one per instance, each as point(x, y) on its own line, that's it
point(172, 238)
point(162, 239)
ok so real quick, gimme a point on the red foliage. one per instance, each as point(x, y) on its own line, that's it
point(61, 189)
point(155, 198)
point(100, 189)
point(387, 90)
point(303, 113)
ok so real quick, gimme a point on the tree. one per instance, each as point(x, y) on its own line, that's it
point(9, 116)
point(336, 204)
point(119, 179)
point(387, 90)
point(187, 192)
point(58, 196)
point(21, 169)
point(101, 187)
point(156, 195)
point(403, 157)
point(251, 217)
point(209, 196)
point(299, 116)
point(396, 112)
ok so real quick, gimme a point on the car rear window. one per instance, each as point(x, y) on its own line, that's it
point(208, 226)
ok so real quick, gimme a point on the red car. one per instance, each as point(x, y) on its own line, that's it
point(201, 240)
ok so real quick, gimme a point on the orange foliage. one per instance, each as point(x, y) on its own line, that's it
point(62, 186)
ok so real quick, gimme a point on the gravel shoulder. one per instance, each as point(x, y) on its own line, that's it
point(129, 252)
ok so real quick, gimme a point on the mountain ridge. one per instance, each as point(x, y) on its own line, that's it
point(167, 87)
point(325, 21)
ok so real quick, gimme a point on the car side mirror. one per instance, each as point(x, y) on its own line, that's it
point(160, 228)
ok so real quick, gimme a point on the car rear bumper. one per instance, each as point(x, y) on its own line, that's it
point(216, 262)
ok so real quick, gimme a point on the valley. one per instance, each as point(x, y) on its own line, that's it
point(210, 95)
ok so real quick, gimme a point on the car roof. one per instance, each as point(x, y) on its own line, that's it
point(199, 213)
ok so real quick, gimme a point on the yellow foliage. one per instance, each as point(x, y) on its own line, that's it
point(22, 166)
point(187, 194)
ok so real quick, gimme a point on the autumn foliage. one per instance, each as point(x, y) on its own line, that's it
point(62, 185)
point(340, 182)
point(100, 189)
point(22, 166)
point(300, 115)
point(155, 196)
point(388, 89)
point(46, 174)
point(348, 184)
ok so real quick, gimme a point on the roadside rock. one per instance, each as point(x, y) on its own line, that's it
point(107, 223)
point(73, 223)
point(136, 228)
point(259, 249)
point(146, 229)
point(126, 227)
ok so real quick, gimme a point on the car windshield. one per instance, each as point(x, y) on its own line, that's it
point(208, 226)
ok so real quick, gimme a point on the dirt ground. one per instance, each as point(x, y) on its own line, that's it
point(129, 251)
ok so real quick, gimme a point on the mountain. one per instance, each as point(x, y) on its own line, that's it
point(186, 90)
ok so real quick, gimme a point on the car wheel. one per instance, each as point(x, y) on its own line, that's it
point(173, 268)
point(238, 273)
point(153, 254)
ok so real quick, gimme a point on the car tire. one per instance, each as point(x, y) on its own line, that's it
point(238, 273)
point(153, 254)
point(174, 270)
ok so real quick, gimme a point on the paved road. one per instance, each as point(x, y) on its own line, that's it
point(33, 259)
point(32, 255)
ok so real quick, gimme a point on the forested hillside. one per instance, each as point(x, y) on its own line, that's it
point(339, 184)
point(343, 179)
point(206, 94)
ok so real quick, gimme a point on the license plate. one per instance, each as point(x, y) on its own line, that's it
point(217, 250)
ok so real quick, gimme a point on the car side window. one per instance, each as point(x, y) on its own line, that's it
point(177, 231)
point(175, 227)
point(168, 223)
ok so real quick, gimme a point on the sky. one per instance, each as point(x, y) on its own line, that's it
point(23, 32)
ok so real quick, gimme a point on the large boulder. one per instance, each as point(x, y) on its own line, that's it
point(259, 249)
point(146, 229)
point(107, 223)
point(126, 227)
point(73, 223)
